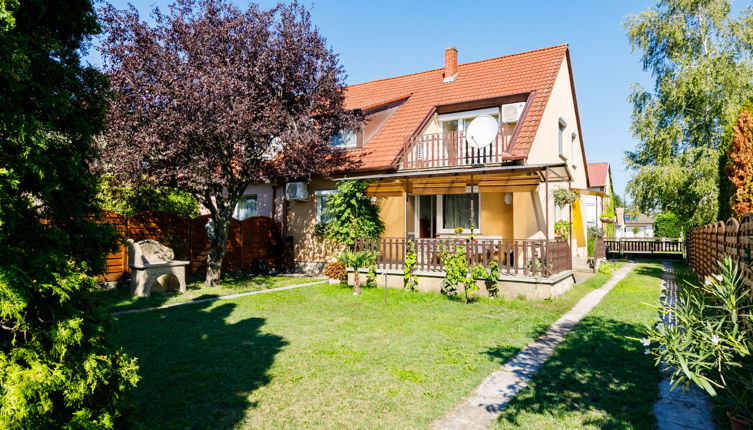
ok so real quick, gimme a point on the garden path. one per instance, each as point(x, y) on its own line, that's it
point(482, 406)
point(679, 409)
point(211, 299)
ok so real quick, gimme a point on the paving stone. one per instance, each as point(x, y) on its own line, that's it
point(480, 408)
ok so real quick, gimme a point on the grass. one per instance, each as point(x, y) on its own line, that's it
point(597, 378)
point(318, 357)
point(120, 298)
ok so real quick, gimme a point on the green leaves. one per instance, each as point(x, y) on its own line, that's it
point(712, 342)
point(58, 368)
point(700, 57)
point(353, 215)
point(410, 280)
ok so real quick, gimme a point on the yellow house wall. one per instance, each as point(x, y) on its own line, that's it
point(545, 149)
point(529, 218)
point(301, 222)
point(391, 210)
point(496, 216)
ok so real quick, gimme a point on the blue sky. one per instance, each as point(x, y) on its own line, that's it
point(379, 39)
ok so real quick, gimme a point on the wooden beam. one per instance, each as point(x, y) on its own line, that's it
point(439, 186)
point(511, 180)
point(386, 189)
point(507, 188)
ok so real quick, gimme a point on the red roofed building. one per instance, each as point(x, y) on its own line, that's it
point(599, 195)
point(480, 146)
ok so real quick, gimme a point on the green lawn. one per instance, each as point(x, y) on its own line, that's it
point(597, 378)
point(120, 298)
point(318, 357)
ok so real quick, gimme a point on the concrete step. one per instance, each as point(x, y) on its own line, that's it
point(581, 264)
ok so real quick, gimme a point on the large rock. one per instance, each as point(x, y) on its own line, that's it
point(154, 252)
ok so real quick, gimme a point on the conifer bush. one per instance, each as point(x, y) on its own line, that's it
point(58, 368)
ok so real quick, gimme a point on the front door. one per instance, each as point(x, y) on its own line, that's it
point(426, 224)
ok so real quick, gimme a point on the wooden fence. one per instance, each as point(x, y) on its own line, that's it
point(254, 239)
point(515, 257)
point(708, 244)
point(644, 246)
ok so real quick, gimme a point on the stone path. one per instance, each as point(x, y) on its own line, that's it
point(479, 409)
point(211, 299)
point(678, 409)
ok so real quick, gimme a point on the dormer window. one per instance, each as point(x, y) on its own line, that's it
point(346, 139)
point(458, 121)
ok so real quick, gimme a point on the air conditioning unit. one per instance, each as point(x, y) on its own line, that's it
point(511, 112)
point(296, 191)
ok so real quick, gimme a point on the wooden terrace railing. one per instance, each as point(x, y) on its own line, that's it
point(451, 149)
point(530, 258)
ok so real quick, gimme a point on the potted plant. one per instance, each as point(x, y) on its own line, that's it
point(712, 346)
point(562, 229)
point(357, 260)
point(335, 271)
point(564, 197)
point(606, 218)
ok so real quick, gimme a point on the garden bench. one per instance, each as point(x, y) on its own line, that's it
point(151, 263)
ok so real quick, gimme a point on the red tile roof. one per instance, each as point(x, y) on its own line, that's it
point(597, 174)
point(512, 74)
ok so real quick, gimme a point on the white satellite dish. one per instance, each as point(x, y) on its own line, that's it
point(481, 131)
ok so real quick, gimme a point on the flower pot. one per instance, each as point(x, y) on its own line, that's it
point(334, 281)
point(607, 220)
point(737, 423)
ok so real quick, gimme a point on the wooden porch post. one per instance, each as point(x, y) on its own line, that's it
point(546, 189)
point(405, 212)
point(472, 225)
point(570, 217)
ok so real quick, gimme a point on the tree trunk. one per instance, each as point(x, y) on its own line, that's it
point(356, 282)
point(218, 248)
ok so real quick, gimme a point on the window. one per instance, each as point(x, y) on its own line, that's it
point(346, 139)
point(561, 136)
point(245, 208)
point(454, 210)
point(321, 204)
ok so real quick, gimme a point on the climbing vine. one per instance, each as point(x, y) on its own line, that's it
point(410, 280)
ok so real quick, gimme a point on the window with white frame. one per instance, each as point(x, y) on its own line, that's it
point(561, 136)
point(321, 197)
point(245, 208)
point(454, 210)
point(346, 139)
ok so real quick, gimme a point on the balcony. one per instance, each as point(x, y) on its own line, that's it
point(451, 149)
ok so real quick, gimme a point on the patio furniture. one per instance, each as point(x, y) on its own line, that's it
point(152, 263)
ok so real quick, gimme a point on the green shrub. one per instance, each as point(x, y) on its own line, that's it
point(490, 275)
point(410, 280)
point(712, 344)
point(607, 267)
point(59, 368)
point(352, 214)
point(458, 274)
point(129, 200)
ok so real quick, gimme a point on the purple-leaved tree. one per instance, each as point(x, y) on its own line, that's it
point(212, 98)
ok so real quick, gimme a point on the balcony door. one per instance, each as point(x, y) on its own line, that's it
point(454, 126)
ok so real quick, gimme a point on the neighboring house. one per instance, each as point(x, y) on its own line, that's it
point(636, 226)
point(598, 196)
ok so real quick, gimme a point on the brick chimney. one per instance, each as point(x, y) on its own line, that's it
point(450, 64)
